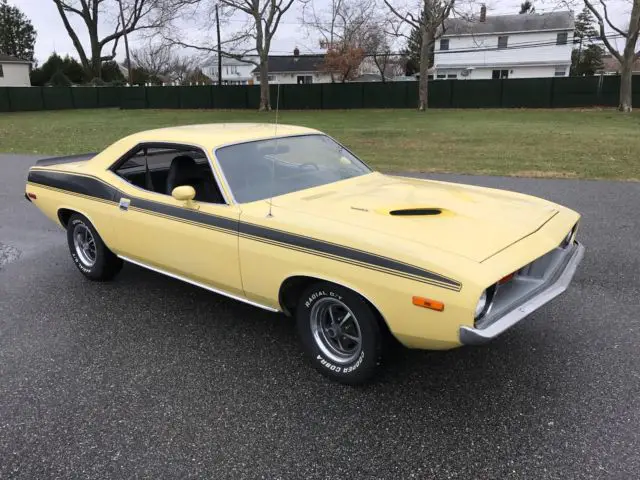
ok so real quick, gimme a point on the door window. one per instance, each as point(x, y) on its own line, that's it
point(160, 169)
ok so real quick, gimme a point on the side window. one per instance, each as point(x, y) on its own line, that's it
point(503, 41)
point(161, 169)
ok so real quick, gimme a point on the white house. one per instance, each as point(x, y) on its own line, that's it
point(505, 46)
point(14, 72)
point(234, 71)
point(296, 69)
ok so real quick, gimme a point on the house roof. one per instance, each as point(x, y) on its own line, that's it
point(292, 63)
point(509, 23)
point(9, 59)
point(610, 64)
point(229, 61)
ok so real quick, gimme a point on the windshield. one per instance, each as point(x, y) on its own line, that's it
point(265, 168)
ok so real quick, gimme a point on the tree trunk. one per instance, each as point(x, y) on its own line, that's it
point(96, 70)
point(626, 70)
point(423, 84)
point(265, 102)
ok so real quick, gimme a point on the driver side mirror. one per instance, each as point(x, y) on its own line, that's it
point(184, 193)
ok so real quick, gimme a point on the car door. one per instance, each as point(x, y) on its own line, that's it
point(197, 240)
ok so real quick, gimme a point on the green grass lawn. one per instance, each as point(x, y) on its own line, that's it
point(546, 143)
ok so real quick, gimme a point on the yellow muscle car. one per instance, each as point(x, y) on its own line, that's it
point(287, 219)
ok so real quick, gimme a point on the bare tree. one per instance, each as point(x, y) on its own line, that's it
point(430, 22)
point(155, 59)
point(181, 69)
point(629, 55)
point(137, 14)
point(342, 27)
point(378, 49)
point(262, 19)
point(527, 7)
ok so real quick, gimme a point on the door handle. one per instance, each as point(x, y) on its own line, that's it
point(124, 204)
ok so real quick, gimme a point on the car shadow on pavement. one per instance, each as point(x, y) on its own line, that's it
point(265, 339)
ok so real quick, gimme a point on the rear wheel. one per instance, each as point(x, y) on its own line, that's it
point(88, 251)
point(340, 333)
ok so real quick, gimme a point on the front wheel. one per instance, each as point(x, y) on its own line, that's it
point(340, 333)
point(88, 251)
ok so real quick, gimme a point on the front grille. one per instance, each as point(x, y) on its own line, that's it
point(526, 283)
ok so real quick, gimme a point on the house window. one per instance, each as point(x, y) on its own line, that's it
point(560, 71)
point(1, 72)
point(444, 44)
point(441, 76)
point(561, 39)
point(498, 74)
point(452, 75)
point(302, 79)
point(429, 77)
point(503, 41)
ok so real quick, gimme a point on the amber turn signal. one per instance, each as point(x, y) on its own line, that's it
point(428, 303)
point(505, 279)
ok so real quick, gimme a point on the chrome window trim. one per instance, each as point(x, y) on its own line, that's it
point(198, 284)
point(141, 144)
point(320, 134)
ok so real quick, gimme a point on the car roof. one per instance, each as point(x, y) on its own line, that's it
point(214, 135)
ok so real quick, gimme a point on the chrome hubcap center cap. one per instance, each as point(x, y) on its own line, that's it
point(333, 332)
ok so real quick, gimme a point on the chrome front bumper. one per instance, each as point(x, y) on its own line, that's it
point(563, 264)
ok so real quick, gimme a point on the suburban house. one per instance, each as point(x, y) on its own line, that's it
point(234, 71)
point(505, 46)
point(14, 72)
point(296, 69)
point(611, 66)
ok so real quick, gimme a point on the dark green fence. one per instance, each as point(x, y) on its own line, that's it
point(510, 93)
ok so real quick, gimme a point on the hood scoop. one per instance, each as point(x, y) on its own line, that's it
point(415, 212)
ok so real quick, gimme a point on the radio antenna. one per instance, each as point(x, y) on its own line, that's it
point(273, 158)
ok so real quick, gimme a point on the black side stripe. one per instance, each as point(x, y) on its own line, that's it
point(96, 188)
point(84, 185)
point(342, 251)
point(186, 214)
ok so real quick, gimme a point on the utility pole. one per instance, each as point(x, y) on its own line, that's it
point(126, 41)
point(219, 49)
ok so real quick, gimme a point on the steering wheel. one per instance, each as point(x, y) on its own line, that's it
point(310, 164)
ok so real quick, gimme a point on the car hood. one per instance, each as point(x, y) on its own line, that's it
point(472, 222)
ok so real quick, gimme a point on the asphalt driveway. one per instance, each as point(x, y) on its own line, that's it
point(149, 377)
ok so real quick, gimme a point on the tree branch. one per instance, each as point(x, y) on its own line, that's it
point(74, 38)
point(408, 18)
point(603, 34)
point(611, 25)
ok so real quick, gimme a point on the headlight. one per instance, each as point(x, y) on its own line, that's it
point(568, 240)
point(482, 303)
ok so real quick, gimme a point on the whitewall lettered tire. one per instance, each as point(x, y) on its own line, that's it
point(340, 332)
point(89, 253)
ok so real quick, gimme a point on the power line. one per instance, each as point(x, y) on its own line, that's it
point(513, 46)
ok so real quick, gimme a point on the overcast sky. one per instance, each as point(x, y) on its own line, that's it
point(52, 35)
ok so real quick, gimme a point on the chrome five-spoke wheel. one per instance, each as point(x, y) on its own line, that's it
point(336, 330)
point(84, 244)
